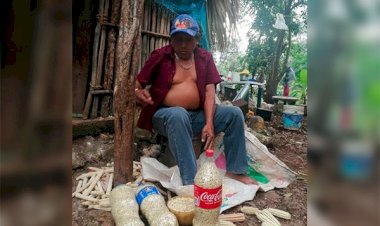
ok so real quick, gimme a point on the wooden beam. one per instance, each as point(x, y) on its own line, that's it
point(155, 34)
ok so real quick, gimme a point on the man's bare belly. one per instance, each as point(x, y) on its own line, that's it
point(184, 94)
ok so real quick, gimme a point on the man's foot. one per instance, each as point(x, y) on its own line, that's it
point(242, 178)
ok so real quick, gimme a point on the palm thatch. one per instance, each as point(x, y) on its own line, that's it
point(222, 17)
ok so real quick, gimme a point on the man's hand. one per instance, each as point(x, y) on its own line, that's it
point(208, 136)
point(143, 96)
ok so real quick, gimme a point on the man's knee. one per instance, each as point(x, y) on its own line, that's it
point(235, 112)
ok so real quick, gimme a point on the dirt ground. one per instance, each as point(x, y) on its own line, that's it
point(288, 145)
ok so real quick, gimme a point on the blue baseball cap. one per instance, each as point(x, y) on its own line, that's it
point(184, 23)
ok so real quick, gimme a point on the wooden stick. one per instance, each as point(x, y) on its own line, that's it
point(100, 60)
point(144, 18)
point(163, 24)
point(144, 47)
point(149, 20)
point(147, 10)
point(167, 23)
point(158, 28)
point(110, 59)
point(94, 64)
point(162, 28)
point(154, 12)
point(87, 105)
point(153, 28)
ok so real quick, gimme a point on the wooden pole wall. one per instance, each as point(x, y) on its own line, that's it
point(155, 29)
point(110, 59)
point(153, 34)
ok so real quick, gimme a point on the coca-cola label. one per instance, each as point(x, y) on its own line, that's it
point(145, 192)
point(207, 198)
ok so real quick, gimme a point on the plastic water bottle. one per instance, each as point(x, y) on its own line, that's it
point(153, 207)
point(207, 193)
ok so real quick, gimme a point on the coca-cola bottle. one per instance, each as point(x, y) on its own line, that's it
point(207, 193)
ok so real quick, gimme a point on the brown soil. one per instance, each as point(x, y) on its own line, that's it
point(290, 146)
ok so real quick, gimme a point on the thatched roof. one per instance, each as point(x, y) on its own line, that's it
point(222, 17)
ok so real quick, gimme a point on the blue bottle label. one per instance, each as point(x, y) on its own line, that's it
point(145, 192)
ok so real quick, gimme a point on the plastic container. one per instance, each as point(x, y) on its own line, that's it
point(292, 121)
point(207, 193)
point(183, 209)
point(356, 160)
point(124, 208)
point(153, 207)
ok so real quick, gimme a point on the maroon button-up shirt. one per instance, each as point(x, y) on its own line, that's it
point(159, 70)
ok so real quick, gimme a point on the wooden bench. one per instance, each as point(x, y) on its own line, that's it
point(286, 100)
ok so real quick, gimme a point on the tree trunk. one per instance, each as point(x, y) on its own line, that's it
point(274, 77)
point(124, 98)
point(288, 49)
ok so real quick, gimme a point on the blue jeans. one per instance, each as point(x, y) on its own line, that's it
point(179, 125)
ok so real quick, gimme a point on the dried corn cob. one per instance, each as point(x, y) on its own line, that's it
point(234, 217)
point(226, 223)
point(269, 215)
point(280, 213)
point(266, 223)
point(264, 217)
point(249, 210)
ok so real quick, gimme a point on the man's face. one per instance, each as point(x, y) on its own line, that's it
point(183, 44)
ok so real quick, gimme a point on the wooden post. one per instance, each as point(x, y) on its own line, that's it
point(110, 58)
point(153, 28)
point(99, 71)
point(124, 98)
point(162, 28)
point(87, 106)
point(158, 28)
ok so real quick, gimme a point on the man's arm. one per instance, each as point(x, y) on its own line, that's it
point(144, 78)
point(209, 110)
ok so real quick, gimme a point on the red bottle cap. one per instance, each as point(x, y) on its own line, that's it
point(209, 153)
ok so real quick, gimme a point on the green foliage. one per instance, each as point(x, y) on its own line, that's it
point(298, 55)
point(299, 87)
point(261, 49)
